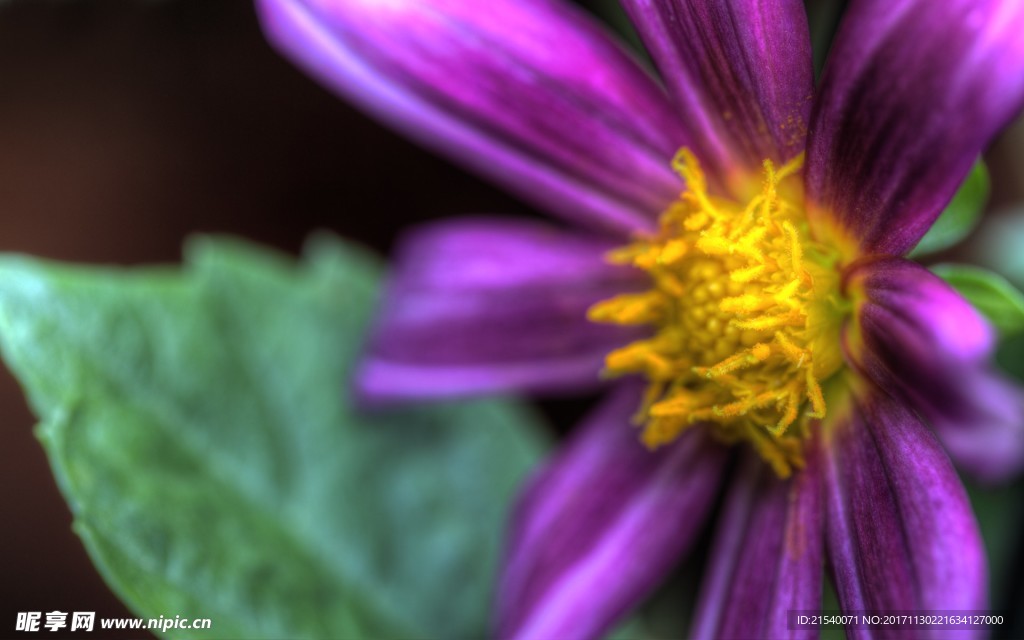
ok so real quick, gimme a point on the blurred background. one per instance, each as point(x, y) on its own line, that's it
point(126, 126)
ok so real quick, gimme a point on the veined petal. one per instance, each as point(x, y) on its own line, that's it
point(739, 69)
point(530, 93)
point(602, 524)
point(768, 555)
point(914, 335)
point(492, 304)
point(913, 91)
point(900, 532)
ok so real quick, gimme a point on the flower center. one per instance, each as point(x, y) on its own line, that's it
point(746, 311)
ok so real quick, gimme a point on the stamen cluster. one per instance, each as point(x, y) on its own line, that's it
point(739, 302)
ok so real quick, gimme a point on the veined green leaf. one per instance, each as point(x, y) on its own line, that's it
point(199, 426)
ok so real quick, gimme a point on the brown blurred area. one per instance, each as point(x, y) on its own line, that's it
point(125, 127)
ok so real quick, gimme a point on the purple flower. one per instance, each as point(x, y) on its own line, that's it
point(734, 265)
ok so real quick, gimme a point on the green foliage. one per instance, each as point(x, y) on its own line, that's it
point(1000, 520)
point(960, 216)
point(668, 612)
point(1011, 356)
point(990, 293)
point(199, 426)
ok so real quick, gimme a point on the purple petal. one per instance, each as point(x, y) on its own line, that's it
point(988, 440)
point(767, 557)
point(602, 524)
point(917, 337)
point(739, 69)
point(900, 532)
point(913, 91)
point(531, 93)
point(932, 318)
point(491, 304)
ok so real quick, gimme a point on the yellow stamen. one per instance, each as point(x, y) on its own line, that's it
point(742, 302)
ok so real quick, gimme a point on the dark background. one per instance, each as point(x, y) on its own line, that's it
point(125, 127)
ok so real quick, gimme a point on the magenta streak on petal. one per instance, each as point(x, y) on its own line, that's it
point(920, 339)
point(530, 93)
point(740, 69)
point(900, 532)
point(602, 524)
point(493, 304)
point(381, 382)
point(767, 556)
point(913, 91)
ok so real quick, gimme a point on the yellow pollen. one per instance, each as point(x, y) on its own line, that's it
point(743, 307)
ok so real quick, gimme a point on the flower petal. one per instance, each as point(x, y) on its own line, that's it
point(492, 304)
point(739, 69)
point(931, 319)
point(602, 524)
point(900, 532)
point(915, 335)
point(531, 93)
point(767, 557)
point(989, 442)
point(913, 91)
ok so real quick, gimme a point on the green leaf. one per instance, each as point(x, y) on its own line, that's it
point(989, 292)
point(198, 424)
point(960, 216)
